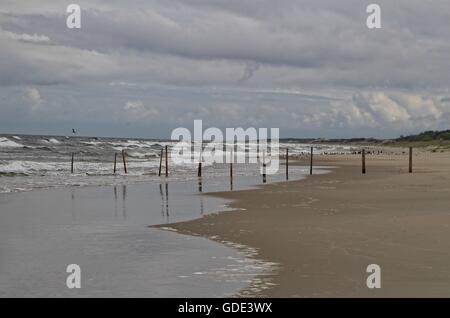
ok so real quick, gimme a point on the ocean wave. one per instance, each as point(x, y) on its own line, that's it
point(142, 155)
point(51, 141)
point(44, 148)
point(6, 143)
point(13, 190)
point(135, 144)
point(13, 174)
point(94, 143)
point(27, 167)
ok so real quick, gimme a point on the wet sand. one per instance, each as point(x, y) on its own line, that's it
point(324, 231)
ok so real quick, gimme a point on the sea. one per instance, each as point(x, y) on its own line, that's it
point(37, 162)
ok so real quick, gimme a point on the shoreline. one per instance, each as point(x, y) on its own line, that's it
point(325, 230)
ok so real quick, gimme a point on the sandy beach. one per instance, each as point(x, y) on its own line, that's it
point(324, 231)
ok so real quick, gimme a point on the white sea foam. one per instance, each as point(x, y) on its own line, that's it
point(4, 189)
point(54, 141)
point(50, 141)
point(55, 168)
point(27, 167)
point(6, 143)
point(93, 143)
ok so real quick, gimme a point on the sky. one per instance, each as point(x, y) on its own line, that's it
point(141, 68)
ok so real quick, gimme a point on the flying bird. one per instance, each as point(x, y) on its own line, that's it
point(74, 131)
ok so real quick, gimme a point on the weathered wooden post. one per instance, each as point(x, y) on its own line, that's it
point(363, 161)
point(287, 163)
point(257, 149)
point(264, 167)
point(167, 162)
point(160, 162)
point(231, 169)
point(199, 173)
point(410, 159)
point(311, 162)
point(115, 162)
point(167, 197)
point(71, 166)
point(124, 162)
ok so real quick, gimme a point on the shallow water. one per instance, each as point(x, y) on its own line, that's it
point(104, 230)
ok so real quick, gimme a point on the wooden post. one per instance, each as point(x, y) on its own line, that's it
point(71, 166)
point(363, 161)
point(199, 173)
point(410, 159)
point(231, 169)
point(115, 162)
point(257, 149)
point(311, 162)
point(287, 163)
point(160, 162)
point(167, 198)
point(167, 162)
point(264, 167)
point(124, 162)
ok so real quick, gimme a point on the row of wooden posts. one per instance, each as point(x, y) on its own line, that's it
point(410, 166)
point(199, 173)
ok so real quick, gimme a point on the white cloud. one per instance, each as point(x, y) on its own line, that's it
point(24, 37)
point(139, 111)
point(33, 97)
point(397, 111)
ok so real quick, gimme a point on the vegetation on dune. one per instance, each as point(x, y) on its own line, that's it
point(431, 135)
point(433, 140)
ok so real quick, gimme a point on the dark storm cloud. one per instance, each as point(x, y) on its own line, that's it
point(323, 37)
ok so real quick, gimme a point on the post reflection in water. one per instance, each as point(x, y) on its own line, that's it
point(200, 185)
point(202, 209)
point(164, 200)
point(72, 204)
point(124, 199)
point(115, 201)
point(167, 201)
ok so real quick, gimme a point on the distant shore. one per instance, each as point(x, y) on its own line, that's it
point(324, 231)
